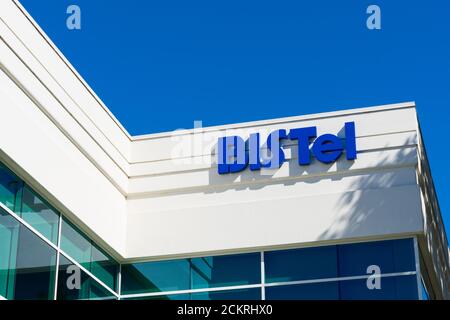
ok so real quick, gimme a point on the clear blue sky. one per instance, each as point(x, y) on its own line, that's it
point(160, 65)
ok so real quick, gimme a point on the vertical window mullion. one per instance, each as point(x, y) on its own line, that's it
point(119, 282)
point(418, 274)
point(263, 277)
point(57, 257)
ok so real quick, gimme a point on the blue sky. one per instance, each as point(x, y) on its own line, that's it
point(160, 65)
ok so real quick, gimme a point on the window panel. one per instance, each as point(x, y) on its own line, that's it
point(391, 288)
point(98, 292)
point(229, 270)
point(75, 244)
point(9, 231)
point(311, 291)
point(44, 219)
point(162, 297)
point(75, 284)
point(390, 256)
point(238, 294)
point(95, 260)
point(301, 264)
point(184, 274)
point(104, 267)
point(27, 263)
point(9, 187)
point(35, 268)
point(156, 276)
point(39, 215)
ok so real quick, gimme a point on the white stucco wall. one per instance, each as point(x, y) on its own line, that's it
point(184, 209)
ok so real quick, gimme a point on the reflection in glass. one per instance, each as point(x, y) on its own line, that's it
point(391, 288)
point(21, 199)
point(390, 256)
point(81, 249)
point(163, 297)
point(39, 215)
point(156, 276)
point(240, 294)
point(104, 267)
point(229, 270)
point(310, 291)
point(75, 284)
point(27, 264)
point(301, 264)
point(185, 274)
point(9, 232)
point(9, 187)
point(75, 244)
point(236, 294)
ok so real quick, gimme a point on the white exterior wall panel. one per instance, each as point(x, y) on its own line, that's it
point(292, 205)
point(253, 225)
point(43, 153)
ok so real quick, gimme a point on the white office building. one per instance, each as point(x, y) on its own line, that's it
point(89, 212)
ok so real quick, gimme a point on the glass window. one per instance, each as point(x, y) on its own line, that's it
point(310, 291)
point(44, 219)
point(75, 244)
point(104, 267)
point(229, 270)
point(239, 294)
point(390, 256)
point(98, 292)
point(27, 264)
point(75, 284)
point(156, 276)
point(163, 297)
point(194, 273)
point(9, 231)
point(39, 215)
point(391, 288)
point(81, 249)
point(9, 186)
point(35, 268)
point(301, 264)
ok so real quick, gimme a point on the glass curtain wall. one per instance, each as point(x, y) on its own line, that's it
point(43, 256)
point(370, 270)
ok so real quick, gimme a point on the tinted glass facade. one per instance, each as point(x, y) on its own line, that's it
point(371, 270)
point(42, 255)
point(45, 256)
point(187, 274)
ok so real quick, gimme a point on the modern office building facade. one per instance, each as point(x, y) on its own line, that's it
point(89, 212)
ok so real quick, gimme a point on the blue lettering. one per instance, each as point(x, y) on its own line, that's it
point(233, 160)
point(253, 147)
point(303, 135)
point(327, 148)
point(276, 158)
point(350, 140)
